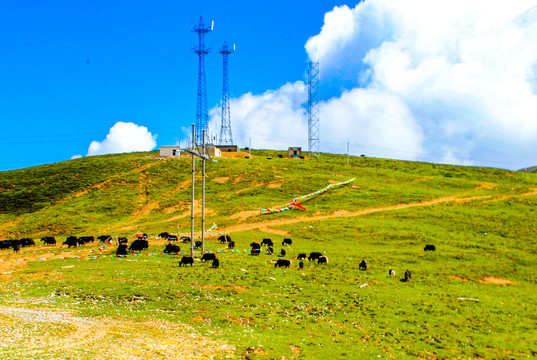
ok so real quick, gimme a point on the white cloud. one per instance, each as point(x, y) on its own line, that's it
point(124, 137)
point(451, 81)
point(78, 156)
point(381, 123)
point(274, 120)
point(465, 72)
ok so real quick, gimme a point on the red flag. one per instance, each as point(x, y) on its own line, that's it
point(294, 203)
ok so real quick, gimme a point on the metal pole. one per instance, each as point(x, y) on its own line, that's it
point(203, 199)
point(192, 199)
point(347, 153)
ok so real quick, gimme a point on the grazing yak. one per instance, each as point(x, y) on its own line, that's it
point(208, 256)
point(164, 235)
point(49, 240)
point(282, 263)
point(216, 264)
point(16, 247)
point(71, 241)
point(104, 238)
point(185, 260)
point(256, 248)
point(121, 250)
point(231, 245)
point(224, 239)
point(391, 272)
point(314, 255)
point(322, 260)
point(287, 242)
point(301, 256)
point(197, 244)
point(301, 265)
point(282, 252)
point(172, 248)
point(363, 265)
point(87, 239)
point(185, 239)
point(429, 248)
point(270, 251)
point(267, 242)
point(138, 245)
point(407, 276)
point(27, 242)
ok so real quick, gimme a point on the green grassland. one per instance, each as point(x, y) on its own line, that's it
point(481, 220)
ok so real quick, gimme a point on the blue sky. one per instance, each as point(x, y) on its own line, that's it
point(446, 82)
point(70, 70)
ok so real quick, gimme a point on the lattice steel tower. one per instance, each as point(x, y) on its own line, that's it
point(202, 115)
point(313, 108)
point(226, 138)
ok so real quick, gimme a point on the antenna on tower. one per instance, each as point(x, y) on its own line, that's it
point(226, 138)
point(313, 108)
point(202, 114)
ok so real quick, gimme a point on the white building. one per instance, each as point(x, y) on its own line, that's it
point(170, 151)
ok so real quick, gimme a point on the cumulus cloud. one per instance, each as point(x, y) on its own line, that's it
point(275, 119)
point(124, 137)
point(379, 122)
point(78, 156)
point(452, 81)
point(465, 73)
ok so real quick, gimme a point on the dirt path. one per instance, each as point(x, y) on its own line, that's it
point(53, 334)
point(344, 213)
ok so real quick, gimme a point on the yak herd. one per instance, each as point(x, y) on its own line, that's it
point(141, 243)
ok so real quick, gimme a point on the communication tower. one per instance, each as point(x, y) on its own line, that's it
point(313, 108)
point(226, 138)
point(202, 115)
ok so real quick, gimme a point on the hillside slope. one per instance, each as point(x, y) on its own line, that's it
point(474, 297)
point(130, 192)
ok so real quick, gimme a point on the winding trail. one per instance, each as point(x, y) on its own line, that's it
point(269, 225)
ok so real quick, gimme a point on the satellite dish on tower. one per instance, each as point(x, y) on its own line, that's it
point(212, 25)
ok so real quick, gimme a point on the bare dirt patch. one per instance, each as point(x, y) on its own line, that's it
point(53, 334)
point(495, 281)
point(221, 179)
point(456, 278)
point(270, 230)
point(243, 215)
point(197, 210)
point(235, 154)
point(275, 185)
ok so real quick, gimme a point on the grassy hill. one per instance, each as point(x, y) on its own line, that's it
point(481, 220)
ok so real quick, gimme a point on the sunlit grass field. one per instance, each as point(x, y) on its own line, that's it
point(474, 297)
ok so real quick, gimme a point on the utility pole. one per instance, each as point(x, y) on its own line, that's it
point(249, 147)
point(203, 198)
point(192, 199)
point(347, 153)
point(204, 157)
